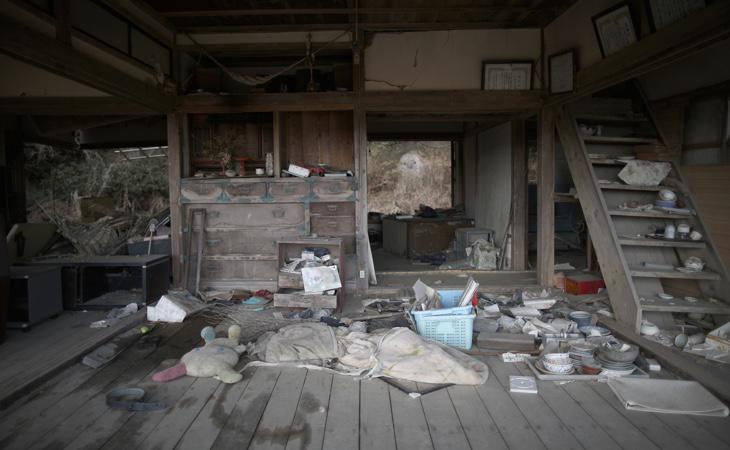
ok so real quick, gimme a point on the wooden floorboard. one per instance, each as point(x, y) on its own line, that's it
point(443, 421)
point(477, 422)
point(343, 417)
point(409, 421)
point(241, 424)
point(302, 409)
point(376, 421)
point(275, 425)
point(51, 347)
point(207, 425)
point(588, 433)
point(649, 424)
point(613, 423)
point(512, 424)
point(548, 426)
point(307, 430)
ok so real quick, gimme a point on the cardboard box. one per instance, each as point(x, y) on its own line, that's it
point(582, 284)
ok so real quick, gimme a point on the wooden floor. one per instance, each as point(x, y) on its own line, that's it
point(27, 358)
point(296, 409)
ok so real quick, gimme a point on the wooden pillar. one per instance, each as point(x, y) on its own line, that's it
point(62, 10)
point(360, 143)
point(519, 196)
point(175, 142)
point(545, 200)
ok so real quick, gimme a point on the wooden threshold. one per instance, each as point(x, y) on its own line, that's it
point(711, 375)
point(649, 242)
point(674, 274)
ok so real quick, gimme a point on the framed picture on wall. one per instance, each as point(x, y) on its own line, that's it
point(561, 69)
point(615, 29)
point(665, 12)
point(507, 75)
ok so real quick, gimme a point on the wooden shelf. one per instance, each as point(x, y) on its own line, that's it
point(606, 162)
point(648, 214)
point(605, 119)
point(649, 242)
point(674, 274)
point(683, 306)
point(626, 187)
point(617, 140)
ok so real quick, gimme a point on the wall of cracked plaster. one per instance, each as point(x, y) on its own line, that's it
point(444, 60)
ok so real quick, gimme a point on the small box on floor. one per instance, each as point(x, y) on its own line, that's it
point(582, 284)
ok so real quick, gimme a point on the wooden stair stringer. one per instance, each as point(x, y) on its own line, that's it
point(615, 270)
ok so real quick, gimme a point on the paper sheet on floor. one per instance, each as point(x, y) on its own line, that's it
point(667, 396)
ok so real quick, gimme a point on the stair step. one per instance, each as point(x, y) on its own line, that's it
point(674, 274)
point(607, 118)
point(617, 140)
point(649, 242)
point(626, 187)
point(683, 306)
point(647, 214)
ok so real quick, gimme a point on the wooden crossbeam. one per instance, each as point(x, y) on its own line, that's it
point(448, 102)
point(34, 48)
point(71, 106)
point(342, 11)
point(366, 26)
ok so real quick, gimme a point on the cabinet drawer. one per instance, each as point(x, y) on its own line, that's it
point(333, 209)
point(334, 190)
point(200, 193)
point(246, 191)
point(288, 191)
point(332, 226)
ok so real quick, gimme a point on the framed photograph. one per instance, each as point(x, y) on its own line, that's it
point(507, 75)
point(615, 29)
point(561, 69)
point(665, 12)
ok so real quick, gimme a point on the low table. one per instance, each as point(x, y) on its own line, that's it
point(86, 277)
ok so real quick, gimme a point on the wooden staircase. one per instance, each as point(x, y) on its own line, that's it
point(619, 235)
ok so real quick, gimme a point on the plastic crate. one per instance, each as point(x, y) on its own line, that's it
point(449, 325)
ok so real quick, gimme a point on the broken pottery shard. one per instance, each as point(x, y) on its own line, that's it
point(644, 173)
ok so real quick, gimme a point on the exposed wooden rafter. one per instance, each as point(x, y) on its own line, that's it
point(34, 48)
point(71, 106)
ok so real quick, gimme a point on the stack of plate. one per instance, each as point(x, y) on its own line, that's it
point(580, 351)
point(617, 358)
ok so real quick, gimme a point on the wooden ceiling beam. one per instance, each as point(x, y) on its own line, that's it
point(71, 106)
point(345, 11)
point(47, 53)
point(366, 26)
point(451, 102)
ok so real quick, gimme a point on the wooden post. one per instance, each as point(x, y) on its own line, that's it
point(175, 125)
point(360, 143)
point(545, 200)
point(519, 196)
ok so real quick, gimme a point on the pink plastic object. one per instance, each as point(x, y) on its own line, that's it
point(172, 373)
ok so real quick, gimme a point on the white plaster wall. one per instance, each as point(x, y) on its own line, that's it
point(443, 60)
point(574, 29)
point(493, 194)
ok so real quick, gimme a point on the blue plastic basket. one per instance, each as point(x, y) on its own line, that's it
point(449, 325)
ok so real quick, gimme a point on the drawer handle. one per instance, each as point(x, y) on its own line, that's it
point(332, 208)
point(278, 213)
point(332, 224)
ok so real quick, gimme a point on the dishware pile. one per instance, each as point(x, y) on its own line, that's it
point(582, 356)
point(617, 358)
point(556, 364)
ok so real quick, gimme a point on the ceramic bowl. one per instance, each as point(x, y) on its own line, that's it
point(667, 195)
point(556, 362)
point(664, 296)
point(648, 328)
